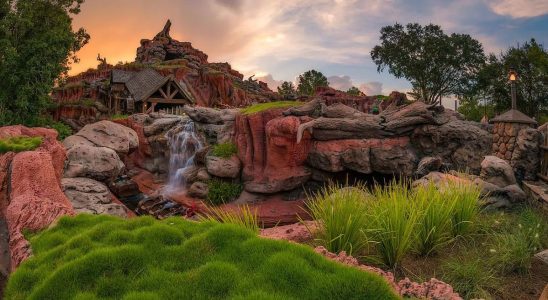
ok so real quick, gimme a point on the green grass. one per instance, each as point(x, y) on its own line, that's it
point(224, 150)
point(255, 108)
point(220, 191)
point(342, 218)
point(62, 129)
point(242, 217)
point(469, 277)
point(103, 257)
point(119, 117)
point(19, 143)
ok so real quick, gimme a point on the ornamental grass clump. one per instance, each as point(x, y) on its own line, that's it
point(243, 217)
point(104, 257)
point(20, 143)
point(467, 201)
point(220, 191)
point(470, 277)
point(341, 213)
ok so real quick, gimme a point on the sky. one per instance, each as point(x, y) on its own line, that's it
point(277, 40)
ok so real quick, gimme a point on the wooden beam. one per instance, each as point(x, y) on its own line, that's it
point(163, 93)
point(167, 101)
point(169, 88)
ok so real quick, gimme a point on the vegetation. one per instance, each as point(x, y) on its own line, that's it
point(119, 117)
point(242, 217)
point(91, 257)
point(287, 90)
point(436, 64)
point(309, 81)
point(354, 91)
point(473, 109)
point(224, 150)
point(19, 143)
point(222, 191)
point(37, 44)
point(62, 129)
point(469, 277)
point(256, 108)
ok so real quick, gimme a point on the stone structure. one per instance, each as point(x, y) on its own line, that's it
point(516, 141)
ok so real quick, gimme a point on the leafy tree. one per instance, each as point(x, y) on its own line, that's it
point(287, 89)
point(37, 44)
point(435, 63)
point(530, 60)
point(354, 91)
point(473, 108)
point(309, 81)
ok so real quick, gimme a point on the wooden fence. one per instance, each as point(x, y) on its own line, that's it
point(175, 110)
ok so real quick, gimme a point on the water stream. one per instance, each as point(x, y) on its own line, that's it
point(183, 147)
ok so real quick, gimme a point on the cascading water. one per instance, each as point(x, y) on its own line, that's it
point(183, 147)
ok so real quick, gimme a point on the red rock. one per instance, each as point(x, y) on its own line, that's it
point(362, 103)
point(275, 211)
point(298, 232)
point(267, 146)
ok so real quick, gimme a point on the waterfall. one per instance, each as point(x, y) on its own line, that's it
point(183, 147)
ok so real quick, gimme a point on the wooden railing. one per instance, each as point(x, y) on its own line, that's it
point(176, 110)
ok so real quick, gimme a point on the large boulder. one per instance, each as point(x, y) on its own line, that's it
point(428, 164)
point(108, 134)
point(497, 171)
point(224, 167)
point(526, 157)
point(90, 196)
point(98, 163)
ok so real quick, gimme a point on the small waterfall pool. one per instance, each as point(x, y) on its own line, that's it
point(183, 143)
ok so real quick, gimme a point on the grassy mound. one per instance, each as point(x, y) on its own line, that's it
point(220, 191)
point(19, 143)
point(255, 108)
point(224, 150)
point(92, 257)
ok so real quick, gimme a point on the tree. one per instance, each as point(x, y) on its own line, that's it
point(309, 81)
point(436, 64)
point(530, 60)
point(287, 89)
point(37, 44)
point(473, 108)
point(354, 91)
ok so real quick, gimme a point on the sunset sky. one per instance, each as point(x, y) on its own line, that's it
point(278, 40)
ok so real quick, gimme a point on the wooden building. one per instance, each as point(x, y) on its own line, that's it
point(145, 91)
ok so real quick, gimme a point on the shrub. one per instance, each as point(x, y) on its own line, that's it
point(19, 143)
point(469, 277)
point(394, 220)
point(92, 257)
point(88, 102)
point(118, 117)
point(62, 129)
point(467, 202)
point(242, 217)
point(255, 108)
point(224, 150)
point(222, 191)
point(341, 213)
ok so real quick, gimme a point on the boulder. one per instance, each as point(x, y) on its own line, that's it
point(75, 140)
point(90, 196)
point(205, 114)
point(108, 134)
point(542, 256)
point(98, 163)
point(526, 156)
point(497, 171)
point(337, 156)
point(160, 125)
point(224, 167)
point(198, 190)
point(393, 156)
point(428, 164)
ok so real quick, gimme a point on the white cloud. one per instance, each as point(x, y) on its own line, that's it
point(371, 88)
point(520, 9)
point(342, 83)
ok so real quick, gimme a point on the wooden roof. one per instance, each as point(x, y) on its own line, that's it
point(513, 116)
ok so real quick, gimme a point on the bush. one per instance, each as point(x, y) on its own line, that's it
point(62, 129)
point(469, 277)
point(118, 117)
point(19, 143)
point(92, 257)
point(255, 108)
point(341, 213)
point(222, 192)
point(224, 150)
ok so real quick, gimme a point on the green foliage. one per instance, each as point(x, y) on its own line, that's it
point(19, 143)
point(91, 257)
point(37, 44)
point(62, 129)
point(435, 63)
point(119, 117)
point(469, 277)
point(224, 150)
point(466, 208)
point(242, 217)
point(309, 81)
point(341, 213)
point(354, 91)
point(473, 109)
point(287, 90)
point(222, 191)
point(88, 102)
point(256, 108)
point(530, 60)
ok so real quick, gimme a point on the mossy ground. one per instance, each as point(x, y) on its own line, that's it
point(224, 150)
point(19, 143)
point(100, 257)
point(255, 108)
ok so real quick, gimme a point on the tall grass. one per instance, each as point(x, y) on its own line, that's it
point(467, 200)
point(469, 277)
point(394, 220)
point(341, 213)
point(243, 217)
